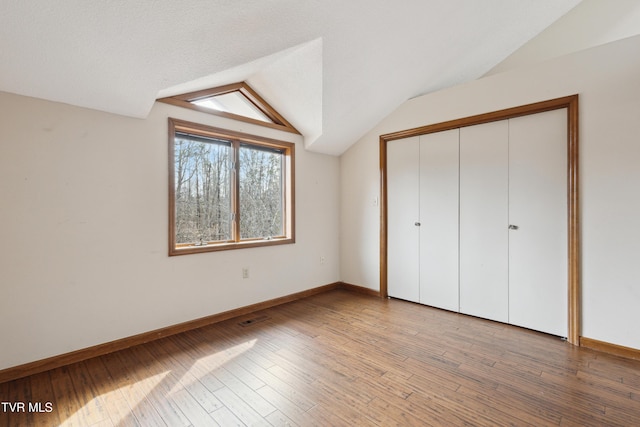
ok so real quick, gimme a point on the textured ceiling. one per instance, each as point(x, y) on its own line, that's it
point(589, 24)
point(334, 69)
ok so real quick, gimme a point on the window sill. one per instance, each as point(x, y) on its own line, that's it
point(185, 250)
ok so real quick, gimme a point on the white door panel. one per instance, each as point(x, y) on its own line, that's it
point(439, 154)
point(403, 254)
point(484, 221)
point(538, 207)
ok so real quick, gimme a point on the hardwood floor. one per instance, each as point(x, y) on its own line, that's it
point(338, 358)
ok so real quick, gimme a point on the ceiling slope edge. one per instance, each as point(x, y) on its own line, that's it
point(289, 80)
point(293, 85)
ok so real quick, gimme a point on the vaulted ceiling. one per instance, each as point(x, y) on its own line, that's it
point(333, 68)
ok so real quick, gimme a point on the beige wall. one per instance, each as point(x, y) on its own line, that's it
point(83, 231)
point(606, 78)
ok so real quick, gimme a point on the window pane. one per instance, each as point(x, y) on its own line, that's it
point(235, 103)
point(261, 193)
point(202, 189)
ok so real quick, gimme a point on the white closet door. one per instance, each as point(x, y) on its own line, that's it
point(403, 157)
point(538, 207)
point(439, 154)
point(484, 221)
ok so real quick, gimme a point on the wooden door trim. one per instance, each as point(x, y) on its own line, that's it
point(573, 201)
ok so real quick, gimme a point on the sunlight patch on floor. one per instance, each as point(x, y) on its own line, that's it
point(209, 364)
point(135, 392)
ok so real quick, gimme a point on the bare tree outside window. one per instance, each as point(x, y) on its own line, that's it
point(203, 189)
point(260, 193)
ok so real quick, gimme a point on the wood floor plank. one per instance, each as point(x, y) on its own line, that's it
point(241, 409)
point(192, 409)
point(225, 417)
point(18, 395)
point(190, 367)
point(443, 373)
point(171, 355)
point(160, 393)
point(350, 405)
point(404, 413)
point(245, 376)
point(244, 392)
point(318, 416)
point(5, 396)
point(121, 415)
point(134, 388)
point(109, 388)
point(68, 406)
point(622, 370)
point(292, 390)
point(277, 418)
point(42, 391)
point(205, 362)
point(340, 359)
point(287, 408)
point(522, 408)
point(281, 363)
point(461, 408)
point(90, 400)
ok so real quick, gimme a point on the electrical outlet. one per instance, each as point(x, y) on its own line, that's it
point(245, 273)
point(322, 259)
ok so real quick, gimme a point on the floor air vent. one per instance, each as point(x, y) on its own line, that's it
point(253, 320)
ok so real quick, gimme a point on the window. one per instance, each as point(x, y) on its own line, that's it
point(228, 190)
point(235, 101)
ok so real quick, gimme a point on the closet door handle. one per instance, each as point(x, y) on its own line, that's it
point(513, 227)
point(417, 224)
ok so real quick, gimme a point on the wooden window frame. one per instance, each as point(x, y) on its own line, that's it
point(186, 101)
point(573, 201)
point(236, 138)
